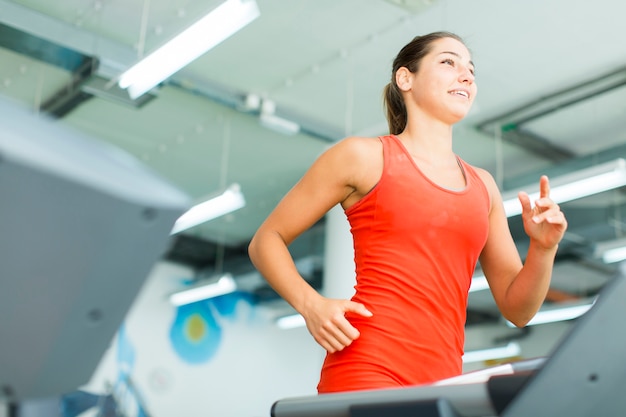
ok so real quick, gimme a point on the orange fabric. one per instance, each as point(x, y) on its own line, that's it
point(416, 246)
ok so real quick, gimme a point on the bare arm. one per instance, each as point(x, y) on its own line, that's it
point(519, 290)
point(337, 176)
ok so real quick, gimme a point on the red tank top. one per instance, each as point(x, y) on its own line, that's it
point(416, 247)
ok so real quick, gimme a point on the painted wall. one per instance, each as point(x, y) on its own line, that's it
point(223, 358)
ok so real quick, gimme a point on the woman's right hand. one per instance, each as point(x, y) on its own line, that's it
point(326, 321)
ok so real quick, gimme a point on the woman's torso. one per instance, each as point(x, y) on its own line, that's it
point(416, 246)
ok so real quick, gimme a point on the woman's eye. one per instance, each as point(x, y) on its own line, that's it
point(448, 61)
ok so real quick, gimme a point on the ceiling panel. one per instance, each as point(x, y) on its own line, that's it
point(588, 127)
point(29, 81)
point(324, 63)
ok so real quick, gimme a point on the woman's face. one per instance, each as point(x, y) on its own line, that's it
point(443, 85)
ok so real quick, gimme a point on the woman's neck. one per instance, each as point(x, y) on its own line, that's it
point(428, 138)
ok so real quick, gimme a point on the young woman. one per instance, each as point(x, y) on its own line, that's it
point(421, 219)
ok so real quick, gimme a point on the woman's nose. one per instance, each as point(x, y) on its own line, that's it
point(466, 75)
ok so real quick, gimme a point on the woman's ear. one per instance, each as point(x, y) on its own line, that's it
point(404, 79)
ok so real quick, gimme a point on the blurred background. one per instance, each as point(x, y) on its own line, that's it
point(252, 112)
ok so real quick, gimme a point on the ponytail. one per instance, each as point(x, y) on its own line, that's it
point(395, 108)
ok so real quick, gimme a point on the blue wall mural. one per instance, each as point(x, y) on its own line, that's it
point(196, 333)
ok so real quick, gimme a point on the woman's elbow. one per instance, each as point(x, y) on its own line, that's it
point(253, 248)
point(519, 322)
point(258, 246)
point(519, 319)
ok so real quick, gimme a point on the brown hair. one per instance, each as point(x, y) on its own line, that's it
point(409, 56)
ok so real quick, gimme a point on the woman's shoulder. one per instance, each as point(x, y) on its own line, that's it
point(486, 176)
point(361, 141)
point(360, 146)
point(362, 164)
point(359, 158)
point(351, 156)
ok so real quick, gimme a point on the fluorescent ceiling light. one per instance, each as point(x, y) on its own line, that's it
point(508, 351)
point(614, 255)
point(206, 33)
point(203, 291)
point(479, 283)
point(583, 183)
point(611, 251)
point(557, 314)
point(291, 322)
point(230, 200)
point(268, 118)
point(279, 124)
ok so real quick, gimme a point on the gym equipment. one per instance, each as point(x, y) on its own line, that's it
point(584, 376)
point(81, 225)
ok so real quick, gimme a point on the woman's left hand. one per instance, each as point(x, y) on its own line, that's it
point(544, 223)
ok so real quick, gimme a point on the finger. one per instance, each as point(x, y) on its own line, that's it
point(328, 341)
point(341, 329)
point(556, 218)
point(346, 332)
point(336, 338)
point(326, 345)
point(545, 203)
point(544, 187)
point(524, 200)
point(358, 308)
point(550, 215)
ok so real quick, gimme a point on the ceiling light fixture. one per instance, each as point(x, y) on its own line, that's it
point(611, 251)
point(204, 290)
point(230, 200)
point(503, 352)
point(268, 119)
point(583, 183)
point(290, 322)
point(278, 124)
point(614, 255)
point(222, 22)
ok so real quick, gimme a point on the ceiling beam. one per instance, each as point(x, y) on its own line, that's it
point(62, 45)
point(511, 123)
point(556, 101)
point(71, 96)
point(114, 57)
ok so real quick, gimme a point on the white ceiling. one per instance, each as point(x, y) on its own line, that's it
point(324, 64)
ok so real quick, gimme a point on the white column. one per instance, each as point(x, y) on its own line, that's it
point(339, 273)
